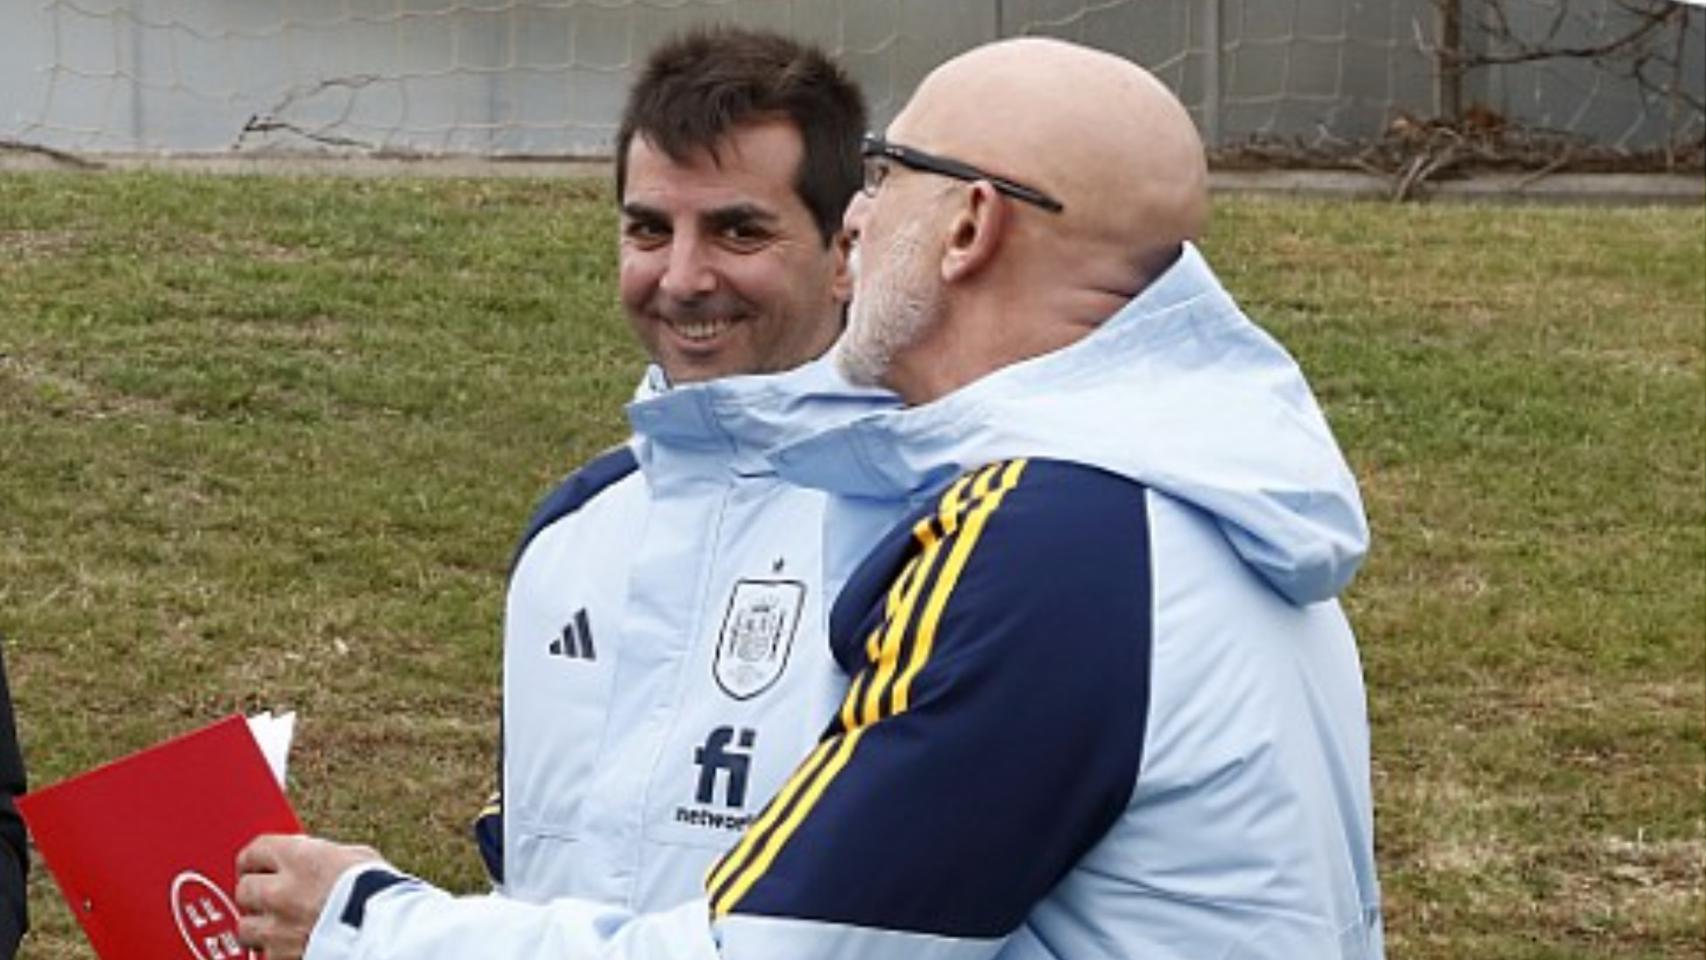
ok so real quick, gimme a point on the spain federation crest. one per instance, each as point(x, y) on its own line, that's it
point(758, 631)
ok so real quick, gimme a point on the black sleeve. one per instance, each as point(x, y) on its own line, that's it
point(14, 846)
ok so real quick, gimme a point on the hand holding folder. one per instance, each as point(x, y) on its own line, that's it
point(145, 848)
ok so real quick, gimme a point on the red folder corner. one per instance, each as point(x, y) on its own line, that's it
point(145, 848)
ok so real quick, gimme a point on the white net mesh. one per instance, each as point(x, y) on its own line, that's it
point(479, 76)
point(1281, 67)
point(509, 77)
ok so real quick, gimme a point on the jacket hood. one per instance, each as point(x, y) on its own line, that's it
point(1178, 391)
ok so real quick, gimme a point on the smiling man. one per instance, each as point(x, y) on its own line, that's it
point(664, 661)
point(665, 664)
point(724, 269)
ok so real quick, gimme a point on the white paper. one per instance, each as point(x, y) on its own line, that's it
point(273, 733)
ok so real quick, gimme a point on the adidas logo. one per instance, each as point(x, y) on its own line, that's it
point(575, 643)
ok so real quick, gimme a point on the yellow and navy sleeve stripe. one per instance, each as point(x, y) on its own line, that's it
point(994, 725)
point(489, 836)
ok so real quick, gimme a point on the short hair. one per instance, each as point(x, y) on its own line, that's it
point(697, 88)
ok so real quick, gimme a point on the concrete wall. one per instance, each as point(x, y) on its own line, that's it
point(547, 76)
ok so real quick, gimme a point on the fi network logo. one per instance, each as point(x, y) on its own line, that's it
point(717, 757)
point(575, 642)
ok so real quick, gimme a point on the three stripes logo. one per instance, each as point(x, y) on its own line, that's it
point(575, 642)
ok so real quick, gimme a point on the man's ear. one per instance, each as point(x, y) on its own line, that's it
point(841, 281)
point(974, 233)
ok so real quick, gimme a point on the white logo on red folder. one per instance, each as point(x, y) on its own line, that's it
point(207, 918)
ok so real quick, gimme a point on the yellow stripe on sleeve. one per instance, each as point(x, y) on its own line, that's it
point(807, 770)
point(897, 591)
point(750, 875)
point(896, 598)
point(850, 703)
point(886, 665)
point(950, 577)
point(888, 659)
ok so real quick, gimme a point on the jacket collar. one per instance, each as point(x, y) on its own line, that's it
point(730, 423)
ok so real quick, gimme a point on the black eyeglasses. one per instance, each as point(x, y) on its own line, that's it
point(877, 150)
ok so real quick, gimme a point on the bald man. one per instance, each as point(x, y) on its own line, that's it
point(1104, 704)
point(1107, 704)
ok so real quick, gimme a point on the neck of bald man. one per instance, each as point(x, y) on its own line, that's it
point(984, 330)
point(1045, 291)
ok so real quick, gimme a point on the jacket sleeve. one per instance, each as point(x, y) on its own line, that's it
point(488, 830)
point(991, 737)
point(377, 913)
point(14, 847)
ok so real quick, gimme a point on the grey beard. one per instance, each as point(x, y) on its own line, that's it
point(889, 313)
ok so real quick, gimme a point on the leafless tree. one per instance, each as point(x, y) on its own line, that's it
point(1643, 40)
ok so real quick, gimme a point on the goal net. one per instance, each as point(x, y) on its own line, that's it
point(547, 77)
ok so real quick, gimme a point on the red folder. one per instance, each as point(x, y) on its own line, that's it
point(145, 848)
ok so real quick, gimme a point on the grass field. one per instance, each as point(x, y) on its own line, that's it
point(267, 443)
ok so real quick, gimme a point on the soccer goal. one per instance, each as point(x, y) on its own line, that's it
point(547, 77)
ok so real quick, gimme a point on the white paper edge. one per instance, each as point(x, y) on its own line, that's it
point(273, 733)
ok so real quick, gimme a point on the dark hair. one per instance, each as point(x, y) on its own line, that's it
point(696, 88)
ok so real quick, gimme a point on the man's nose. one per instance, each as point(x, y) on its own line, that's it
point(689, 272)
point(853, 219)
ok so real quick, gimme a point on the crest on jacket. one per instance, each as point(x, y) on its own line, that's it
point(758, 632)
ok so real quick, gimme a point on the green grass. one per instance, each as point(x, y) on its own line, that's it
point(267, 443)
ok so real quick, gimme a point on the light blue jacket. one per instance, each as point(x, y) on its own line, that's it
point(665, 662)
point(1104, 704)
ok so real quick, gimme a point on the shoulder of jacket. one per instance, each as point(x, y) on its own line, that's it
point(578, 489)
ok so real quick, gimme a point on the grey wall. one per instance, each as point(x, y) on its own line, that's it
point(547, 76)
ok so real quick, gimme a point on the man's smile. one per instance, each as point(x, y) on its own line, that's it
point(700, 330)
